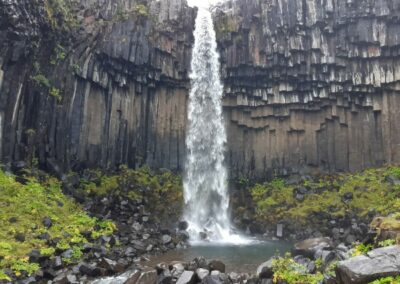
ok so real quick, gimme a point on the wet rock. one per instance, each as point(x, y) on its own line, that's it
point(110, 266)
point(202, 273)
point(47, 222)
point(264, 270)
point(165, 277)
point(309, 247)
point(183, 226)
point(347, 197)
point(89, 270)
point(216, 265)
point(177, 269)
point(166, 239)
point(34, 256)
point(187, 277)
point(147, 276)
point(211, 280)
point(20, 237)
point(378, 263)
point(234, 277)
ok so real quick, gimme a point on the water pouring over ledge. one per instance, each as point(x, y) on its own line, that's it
point(205, 182)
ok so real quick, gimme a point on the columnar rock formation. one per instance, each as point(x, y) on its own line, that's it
point(123, 83)
point(309, 84)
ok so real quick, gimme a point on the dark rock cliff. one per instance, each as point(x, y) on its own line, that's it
point(310, 84)
point(95, 83)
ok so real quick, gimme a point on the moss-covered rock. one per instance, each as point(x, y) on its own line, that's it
point(314, 202)
point(37, 216)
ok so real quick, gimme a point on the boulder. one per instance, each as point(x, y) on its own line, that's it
point(187, 277)
point(216, 265)
point(309, 247)
point(378, 263)
point(202, 273)
point(166, 239)
point(264, 270)
point(147, 276)
point(211, 280)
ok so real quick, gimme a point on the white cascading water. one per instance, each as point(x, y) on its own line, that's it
point(205, 182)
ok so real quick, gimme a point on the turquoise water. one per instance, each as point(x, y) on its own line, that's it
point(241, 259)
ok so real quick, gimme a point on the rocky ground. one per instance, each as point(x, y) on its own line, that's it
point(144, 207)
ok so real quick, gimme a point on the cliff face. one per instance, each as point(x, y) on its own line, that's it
point(95, 83)
point(310, 85)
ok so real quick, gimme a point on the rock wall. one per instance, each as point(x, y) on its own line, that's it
point(310, 84)
point(116, 86)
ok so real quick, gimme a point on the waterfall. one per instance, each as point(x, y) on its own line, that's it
point(205, 181)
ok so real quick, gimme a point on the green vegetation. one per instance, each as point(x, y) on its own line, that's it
point(360, 248)
point(225, 26)
point(387, 280)
point(59, 14)
point(162, 190)
point(276, 200)
point(286, 270)
point(140, 10)
point(24, 209)
point(55, 93)
point(41, 80)
point(59, 54)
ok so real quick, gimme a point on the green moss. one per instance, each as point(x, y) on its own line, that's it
point(361, 248)
point(286, 270)
point(60, 15)
point(55, 93)
point(225, 26)
point(141, 10)
point(387, 280)
point(162, 190)
point(24, 206)
point(276, 201)
point(41, 80)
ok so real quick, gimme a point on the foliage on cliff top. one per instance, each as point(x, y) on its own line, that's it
point(25, 205)
point(161, 190)
point(338, 195)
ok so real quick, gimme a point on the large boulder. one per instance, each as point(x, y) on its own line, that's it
point(264, 270)
point(377, 263)
point(309, 247)
point(216, 265)
point(386, 228)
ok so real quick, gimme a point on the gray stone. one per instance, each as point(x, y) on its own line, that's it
point(310, 246)
point(377, 263)
point(264, 270)
point(187, 277)
point(202, 273)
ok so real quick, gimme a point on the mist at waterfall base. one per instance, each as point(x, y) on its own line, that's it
point(205, 181)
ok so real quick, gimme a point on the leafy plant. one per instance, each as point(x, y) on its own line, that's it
point(288, 271)
point(387, 243)
point(55, 93)
point(387, 280)
point(41, 80)
point(361, 249)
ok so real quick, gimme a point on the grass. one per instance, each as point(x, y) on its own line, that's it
point(24, 207)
